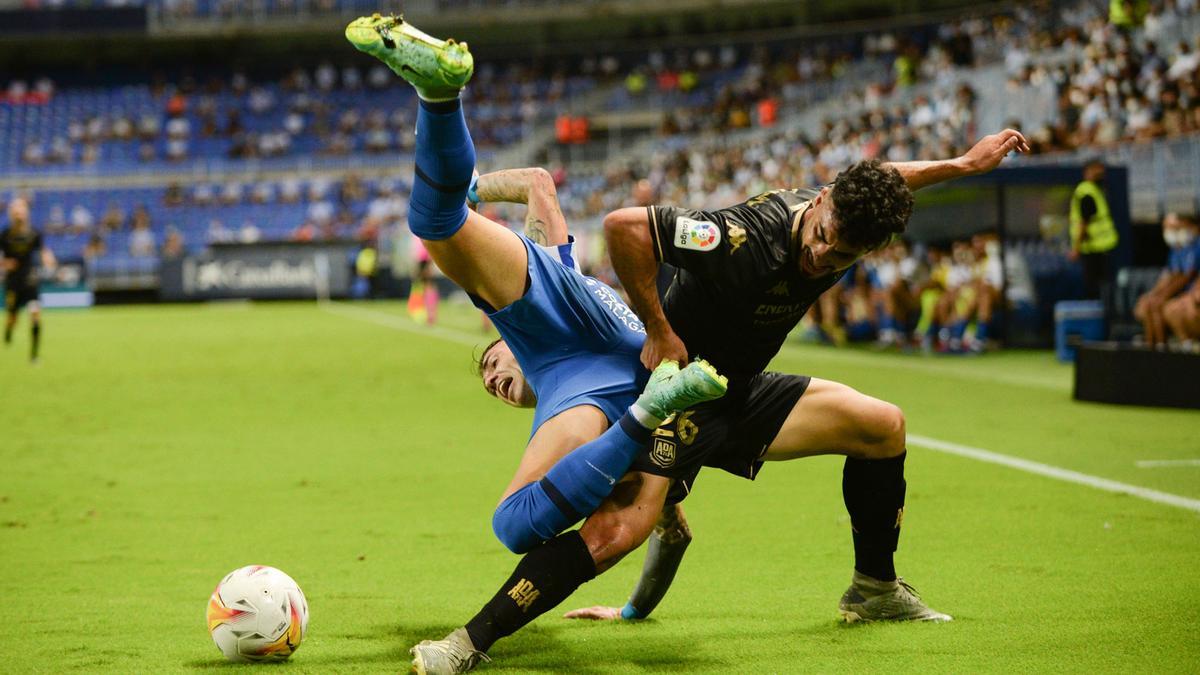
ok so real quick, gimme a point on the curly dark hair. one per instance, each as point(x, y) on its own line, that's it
point(873, 204)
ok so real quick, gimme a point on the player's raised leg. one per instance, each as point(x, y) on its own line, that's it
point(481, 256)
point(831, 418)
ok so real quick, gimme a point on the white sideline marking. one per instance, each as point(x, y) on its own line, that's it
point(1158, 463)
point(1055, 472)
point(462, 337)
point(402, 324)
point(937, 366)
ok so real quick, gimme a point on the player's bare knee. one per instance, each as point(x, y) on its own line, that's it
point(884, 437)
point(609, 538)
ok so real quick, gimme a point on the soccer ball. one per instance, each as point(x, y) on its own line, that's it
point(257, 613)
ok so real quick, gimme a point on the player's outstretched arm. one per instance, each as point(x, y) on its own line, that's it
point(544, 221)
point(627, 232)
point(982, 158)
point(664, 553)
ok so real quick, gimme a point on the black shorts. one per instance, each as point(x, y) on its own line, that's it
point(725, 434)
point(19, 295)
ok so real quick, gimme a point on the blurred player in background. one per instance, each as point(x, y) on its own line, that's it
point(423, 292)
point(21, 245)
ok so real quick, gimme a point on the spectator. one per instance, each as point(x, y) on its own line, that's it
point(173, 246)
point(173, 195)
point(56, 221)
point(141, 217)
point(203, 195)
point(95, 248)
point(1180, 236)
point(217, 233)
point(289, 191)
point(231, 193)
point(141, 241)
point(81, 219)
point(249, 233)
point(113, 219)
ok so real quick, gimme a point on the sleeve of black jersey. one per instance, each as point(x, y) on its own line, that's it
point(729, 246)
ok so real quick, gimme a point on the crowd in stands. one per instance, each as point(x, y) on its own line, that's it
point(224, 9)
point(321, 111)
point(927, 297)
point(1110, 83)
point(150, 223)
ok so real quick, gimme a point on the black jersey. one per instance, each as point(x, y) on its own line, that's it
point(739, 290)
point(22, 248)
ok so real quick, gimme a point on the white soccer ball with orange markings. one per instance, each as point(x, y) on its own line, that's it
point(257, 613)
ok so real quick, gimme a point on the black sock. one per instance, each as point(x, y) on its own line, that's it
point(543, 578)
point(874, 494)
point(441, 107)
point(37, 336)
point(8, 329)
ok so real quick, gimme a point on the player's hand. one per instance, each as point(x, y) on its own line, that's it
point(1073, 256)
point(991, 150)
point(663, 346)
point(597, 613)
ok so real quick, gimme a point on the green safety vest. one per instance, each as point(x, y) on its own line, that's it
point(1119, 16)
point(1101, 230)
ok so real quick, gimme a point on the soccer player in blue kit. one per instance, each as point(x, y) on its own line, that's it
point(792, 239)
point(570, 346)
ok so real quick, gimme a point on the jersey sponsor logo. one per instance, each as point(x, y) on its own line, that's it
point(663, 453)
point(737, 236)
point(524, 594)
point(614, 304)
point(777, 310)
point(696, 235)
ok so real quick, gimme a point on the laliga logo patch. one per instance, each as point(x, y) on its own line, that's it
point(697, 235)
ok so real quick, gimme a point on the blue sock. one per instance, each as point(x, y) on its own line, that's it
point(981, 331)
point(959, 329)
point(445, 159)
point(571, 490)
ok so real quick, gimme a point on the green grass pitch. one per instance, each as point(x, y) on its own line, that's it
point(155, 449)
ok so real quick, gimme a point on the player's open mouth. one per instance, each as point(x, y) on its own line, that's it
point(503, 388)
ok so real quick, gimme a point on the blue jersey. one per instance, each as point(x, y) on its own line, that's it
point(576, 341)
point(1185, 260)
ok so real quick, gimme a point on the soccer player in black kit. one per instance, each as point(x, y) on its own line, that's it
point(19, 243)
point(746, 275)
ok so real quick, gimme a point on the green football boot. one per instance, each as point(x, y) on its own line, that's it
point(438, 69)
point(868, 600)
point(672, 389)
